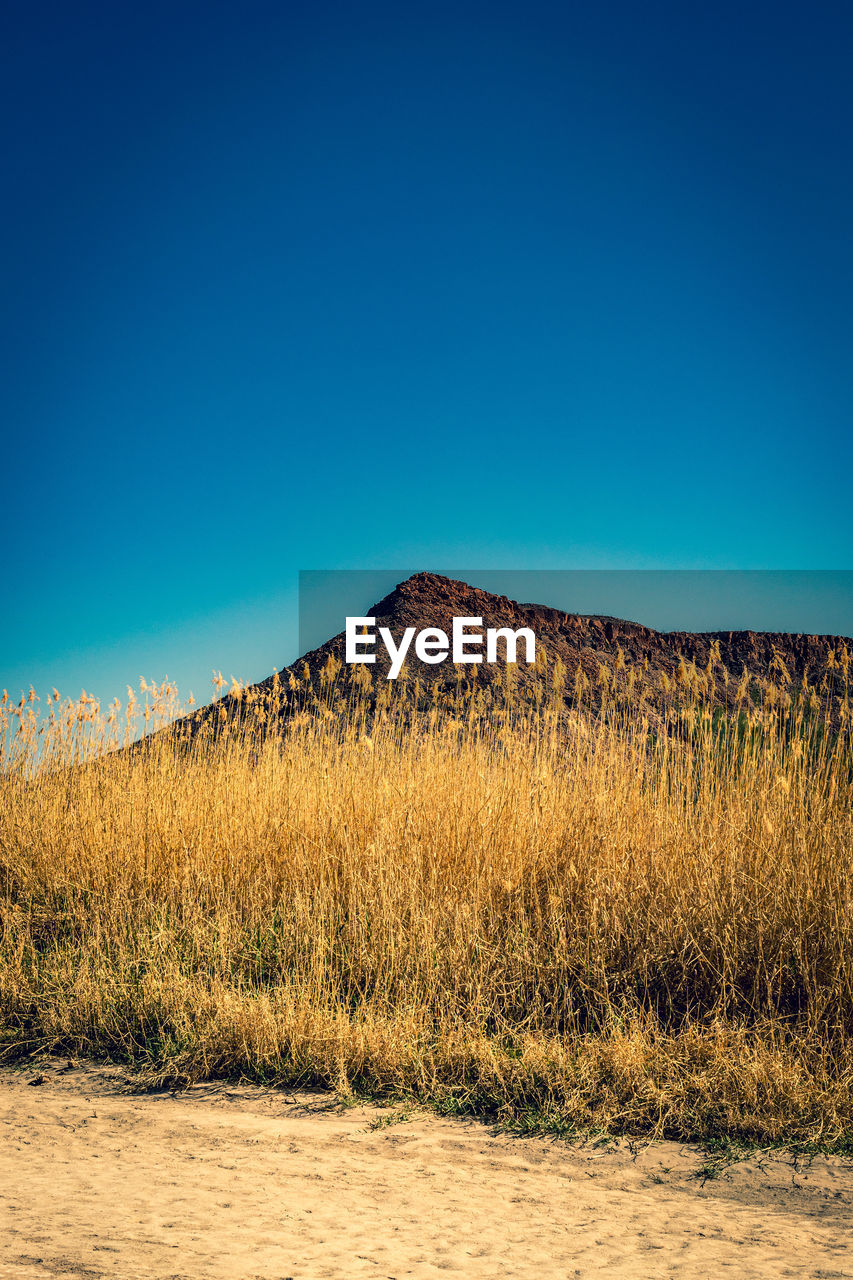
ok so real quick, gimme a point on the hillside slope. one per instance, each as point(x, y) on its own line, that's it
point(574, 652)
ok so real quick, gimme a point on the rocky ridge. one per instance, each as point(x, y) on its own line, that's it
point(590, 652)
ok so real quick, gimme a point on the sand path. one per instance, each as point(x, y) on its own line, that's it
point(231, 1182)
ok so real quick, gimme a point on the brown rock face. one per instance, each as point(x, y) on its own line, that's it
point(592, 647)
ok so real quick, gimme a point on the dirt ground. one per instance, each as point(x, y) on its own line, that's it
point(227, 1182)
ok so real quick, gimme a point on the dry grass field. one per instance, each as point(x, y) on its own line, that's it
point(609, 922)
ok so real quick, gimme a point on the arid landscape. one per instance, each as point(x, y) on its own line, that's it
point(326, 949)
point(565, 949)
point(238, 1182)
point(585, 655)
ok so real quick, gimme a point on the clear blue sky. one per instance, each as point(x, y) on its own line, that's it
point(355, 285)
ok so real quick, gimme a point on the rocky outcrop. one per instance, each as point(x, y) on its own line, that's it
point(589, 652)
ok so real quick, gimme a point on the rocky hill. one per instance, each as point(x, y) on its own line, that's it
point(577, 655)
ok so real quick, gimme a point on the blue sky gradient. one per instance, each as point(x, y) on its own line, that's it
point(541, 285)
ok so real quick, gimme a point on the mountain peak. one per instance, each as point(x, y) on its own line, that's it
point(595, 651)
point(427, 588)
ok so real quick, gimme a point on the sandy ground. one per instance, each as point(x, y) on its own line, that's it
point(231, 1182)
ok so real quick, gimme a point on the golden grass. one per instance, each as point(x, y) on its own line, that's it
point(578, 921)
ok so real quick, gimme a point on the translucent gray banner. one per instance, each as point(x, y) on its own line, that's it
point(807, 602)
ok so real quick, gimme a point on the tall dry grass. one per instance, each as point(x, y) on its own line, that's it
point(579, 920)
